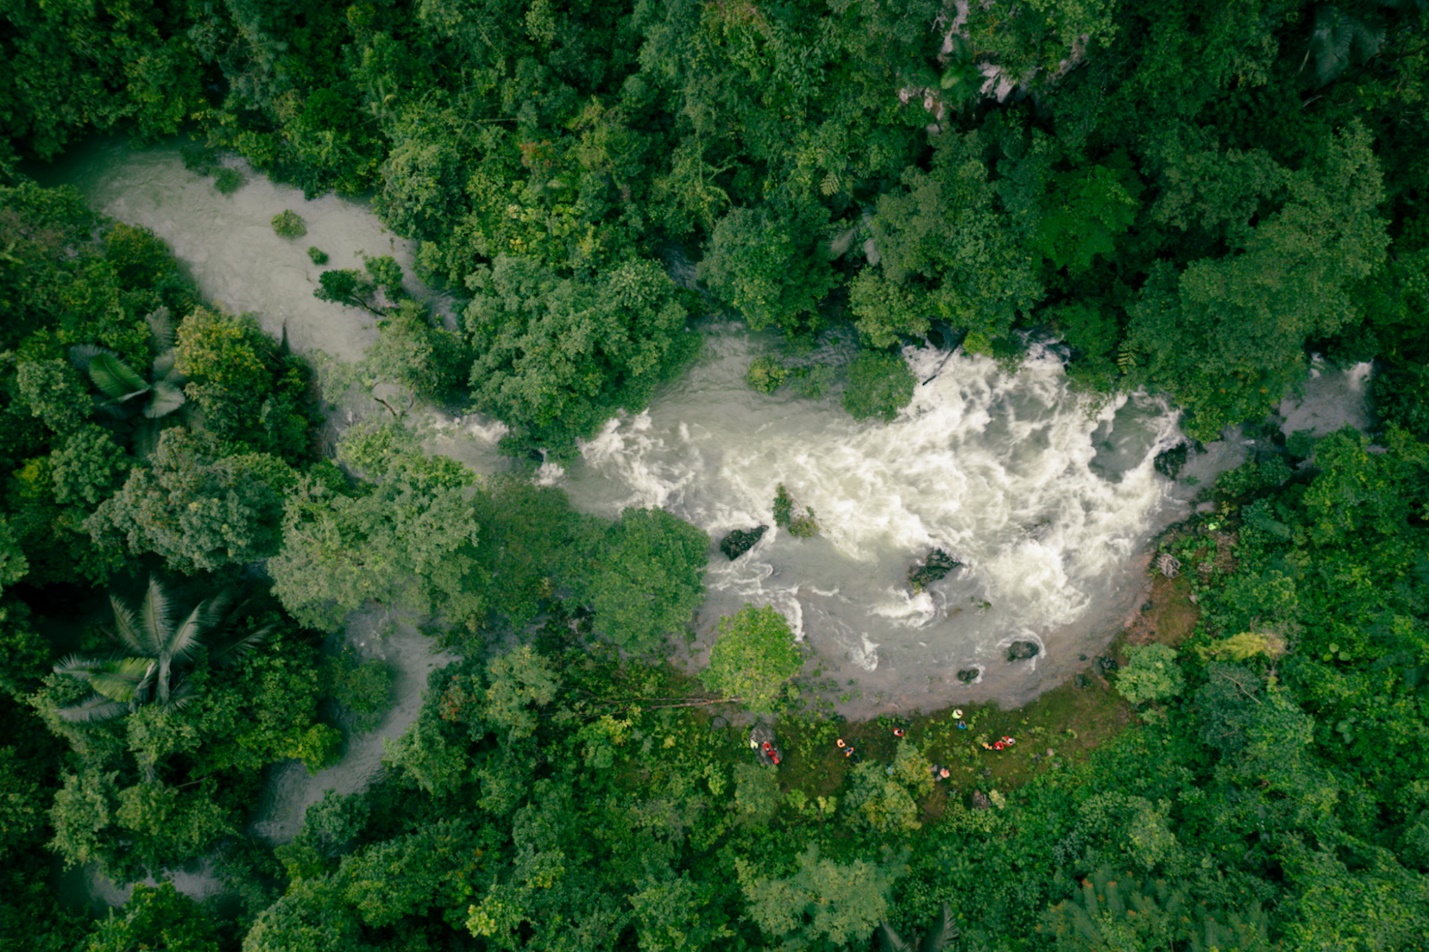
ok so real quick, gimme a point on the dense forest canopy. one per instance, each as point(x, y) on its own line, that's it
point(1191, 197)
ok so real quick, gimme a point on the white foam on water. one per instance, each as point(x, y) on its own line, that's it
point(549, 473)
point(865, 654)
point(1007, 472)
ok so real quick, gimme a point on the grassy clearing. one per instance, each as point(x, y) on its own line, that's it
point(1171, 617)
point(1058, 730)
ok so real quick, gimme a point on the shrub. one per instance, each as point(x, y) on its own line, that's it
point(766, 374)
point(788, 514)
point(289, 224)
point(228, 181)
point(879, 385)
point(1151, 674)
point(361, 688)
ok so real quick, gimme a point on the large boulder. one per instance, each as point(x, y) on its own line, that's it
point(936, 566)
point(1022, 650)
point(740, 541)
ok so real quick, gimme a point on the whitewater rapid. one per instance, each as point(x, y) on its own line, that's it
point(1044, 495)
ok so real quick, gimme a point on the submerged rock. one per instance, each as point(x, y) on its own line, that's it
point(968, 675)
point(1022, 650)
point(936, 566)
point(740, 541)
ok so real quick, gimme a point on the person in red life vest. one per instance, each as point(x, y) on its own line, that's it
point(898, 732)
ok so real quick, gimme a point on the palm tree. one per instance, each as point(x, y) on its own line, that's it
point(159, 396)
point(152, 653)
point(1335, 37)
point(940, 932)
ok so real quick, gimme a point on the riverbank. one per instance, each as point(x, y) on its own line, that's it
point(1058, 728)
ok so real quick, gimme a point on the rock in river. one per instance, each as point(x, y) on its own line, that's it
point(1022, 650)
point(740, 541)
point(936, 566)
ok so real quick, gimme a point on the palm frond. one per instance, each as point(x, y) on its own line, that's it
point(124, 680)
point(81, 354)
point(234, 651)
point(161, 325)
point(940, 932)
point(127, 630)
point(1335, 36)
point(93, 710)
point(216, 607)
point(189, 633)
point(181, 692)
point(167, 397)
point(889, 940)
point(75, 666)
point(165, 367)
point(155, 617)
point(146, 438)
point(115, 378)
point(161, 680)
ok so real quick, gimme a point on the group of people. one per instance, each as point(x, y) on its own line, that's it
point(940, 772)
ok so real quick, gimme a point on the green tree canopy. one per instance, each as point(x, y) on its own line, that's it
point(157, 918)
point(950, 252)
point(768, 268)
point(197, 508)
point(1226, 336)
point(753, 657)
point(1150, 674)
point(556, 356)
point(407, 539)
point(825, 905)
point(645, 579)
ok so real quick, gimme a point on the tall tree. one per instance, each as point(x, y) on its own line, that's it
point(1226, 335)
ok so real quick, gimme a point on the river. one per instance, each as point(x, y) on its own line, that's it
point(1048, 498)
